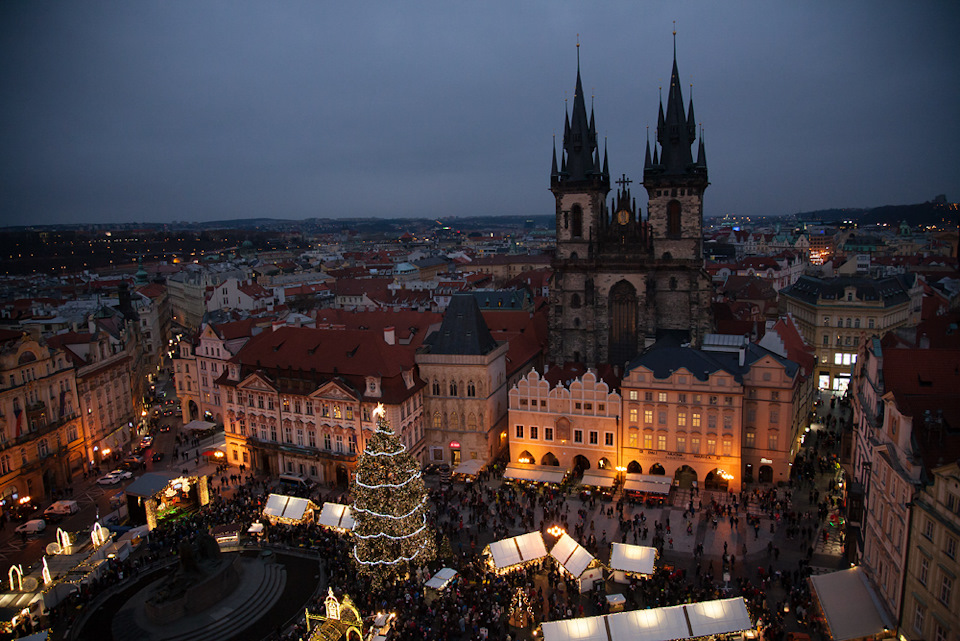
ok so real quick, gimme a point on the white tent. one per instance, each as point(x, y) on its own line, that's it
point(718, 617)
point(286, 508)
point(470, 467)
point(849, 604)
point(599, 478)
point(670, 623)
point(657, 624)
point(631, 559)
point(572, 556)
point(441, 579)
point(652, 483)
point(518, 549)
point(199, 426)
point(336, 516)
point(534, 473)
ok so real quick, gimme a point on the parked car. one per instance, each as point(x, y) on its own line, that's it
point(35, 526)
point(146, 442)
point(114, 477)
point(61, 509)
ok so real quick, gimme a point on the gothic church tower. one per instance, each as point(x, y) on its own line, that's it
point(620, 280)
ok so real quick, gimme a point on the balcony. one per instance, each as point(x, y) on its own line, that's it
point(41, 431)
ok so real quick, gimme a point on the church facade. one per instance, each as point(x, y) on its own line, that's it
point(621, 279)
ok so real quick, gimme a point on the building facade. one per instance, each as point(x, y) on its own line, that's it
point(619, 279)
point(465, 397)
point(833, 313)
point(41, 442)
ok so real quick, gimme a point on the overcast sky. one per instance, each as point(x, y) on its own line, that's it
point(184, 110)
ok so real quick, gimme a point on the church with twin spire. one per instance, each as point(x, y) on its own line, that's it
point(622, 279)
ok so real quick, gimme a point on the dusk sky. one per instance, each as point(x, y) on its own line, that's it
point(185, 110)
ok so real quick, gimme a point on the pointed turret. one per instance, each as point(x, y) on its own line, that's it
point(674, 135)
point(580, 157)
point(701, 155)
point(606, 164)
point(691, 121)
point(647, 163)
point(554, 173)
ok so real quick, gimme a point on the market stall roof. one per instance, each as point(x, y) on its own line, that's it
point(653, 483)
point(599, 478)
point(722, 616)
point(632, 558)
point(571, 555)
point(657, 624)
point(149, 484)
point(535, 473)
point(336, 515)
point(470, 467)
point(286, 507)
point(849, 604)
point(518, 549)
point(440, 580)
point(199, 426)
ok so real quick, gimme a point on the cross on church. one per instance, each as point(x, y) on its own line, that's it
point(624, 181)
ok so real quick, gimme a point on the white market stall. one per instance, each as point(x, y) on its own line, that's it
point(849, 604)
point(442, 579)
point(470, 467)
point(198, 426)
point(534, 473)
point(509, 554)
point(572, 556)
point(288, 509)
point(672, 623)
point(628, 560)
point(337, 517)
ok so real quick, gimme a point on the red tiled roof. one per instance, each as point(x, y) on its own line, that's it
point(153, 290)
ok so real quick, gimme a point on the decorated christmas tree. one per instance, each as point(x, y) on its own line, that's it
point(390, 507)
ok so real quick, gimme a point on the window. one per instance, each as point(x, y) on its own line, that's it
point(648, 396)
point(950, 547)
point(924, 570)
point(311, 438)
point(633, 395)
point(594, 437)
point(548, 433)
point(662, 417)
point(681, 419)
point(661, 441)
point(728, 447)
point(728, 421)
point(713, 400)
point(633, 438)
point(946, 589)
point(436, 388)
point(711, 445)
point(928, 529)
point(534, 432)
point(300, 437)
point(471, 389)
point(349, 412)
point(608, 439)
point(578, 406)
point(578, 436)
point(519, 431)
point(694, 444)
point(326, 442)
point(750, 438)
point(662, 397)
point(648, 441)
point(869, 323)
point(712, 421)
point(648, 417)
point(696, 419)
point(681, 443)
point(453, 388)
point(774, 416)
point(682, 398)
point(339, 443)
point(338, 413)
point(288, 435)
point(772, 440)
point(856, 323)
point(939, 632)
point(259, 401)
point(634, 415)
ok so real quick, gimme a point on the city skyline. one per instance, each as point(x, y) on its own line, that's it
point(205, 112)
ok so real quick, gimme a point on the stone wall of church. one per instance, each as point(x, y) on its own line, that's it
point(688, 246)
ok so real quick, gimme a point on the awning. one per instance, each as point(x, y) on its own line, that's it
point(849, 604)
point(518, 549)
point(632, 558)
point(336, 515)
point(572, 556)
point(470, 467)
point(599, 478)
point(670, 623)
point(652, 483)
point(199, 426)
point(441, 579)
point(534, 473)
point(290, 508)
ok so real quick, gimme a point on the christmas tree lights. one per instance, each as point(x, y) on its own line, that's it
point(390, 507)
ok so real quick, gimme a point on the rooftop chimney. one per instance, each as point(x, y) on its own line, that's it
point(390, 335)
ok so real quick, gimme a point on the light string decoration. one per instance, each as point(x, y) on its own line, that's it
point(390, 507)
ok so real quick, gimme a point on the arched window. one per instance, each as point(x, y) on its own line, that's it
point(437, 421)
point(454, 421)
point(436, 388)
point(472, 423)
point(453, 388)
point(577, 214)
point(471, 389)
point(575, 301)
point(673, 219)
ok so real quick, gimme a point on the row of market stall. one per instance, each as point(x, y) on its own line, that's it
point(634, 485)
point(626, 561)
point(294, 510)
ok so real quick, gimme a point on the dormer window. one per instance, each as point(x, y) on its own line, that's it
point(234, 373)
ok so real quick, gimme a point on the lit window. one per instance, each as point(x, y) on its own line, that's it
point(648, 441)
point(696, 419)
point(681, 443)
point(662, 397)
point(661, 441)
point(681, 419)
point(634, 414)
point(648, 417)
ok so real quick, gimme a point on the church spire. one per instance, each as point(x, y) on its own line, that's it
point(554, 173)
point(676, 130)
point(581, 155)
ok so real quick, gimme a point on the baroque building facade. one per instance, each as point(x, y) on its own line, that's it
point(619, 279)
